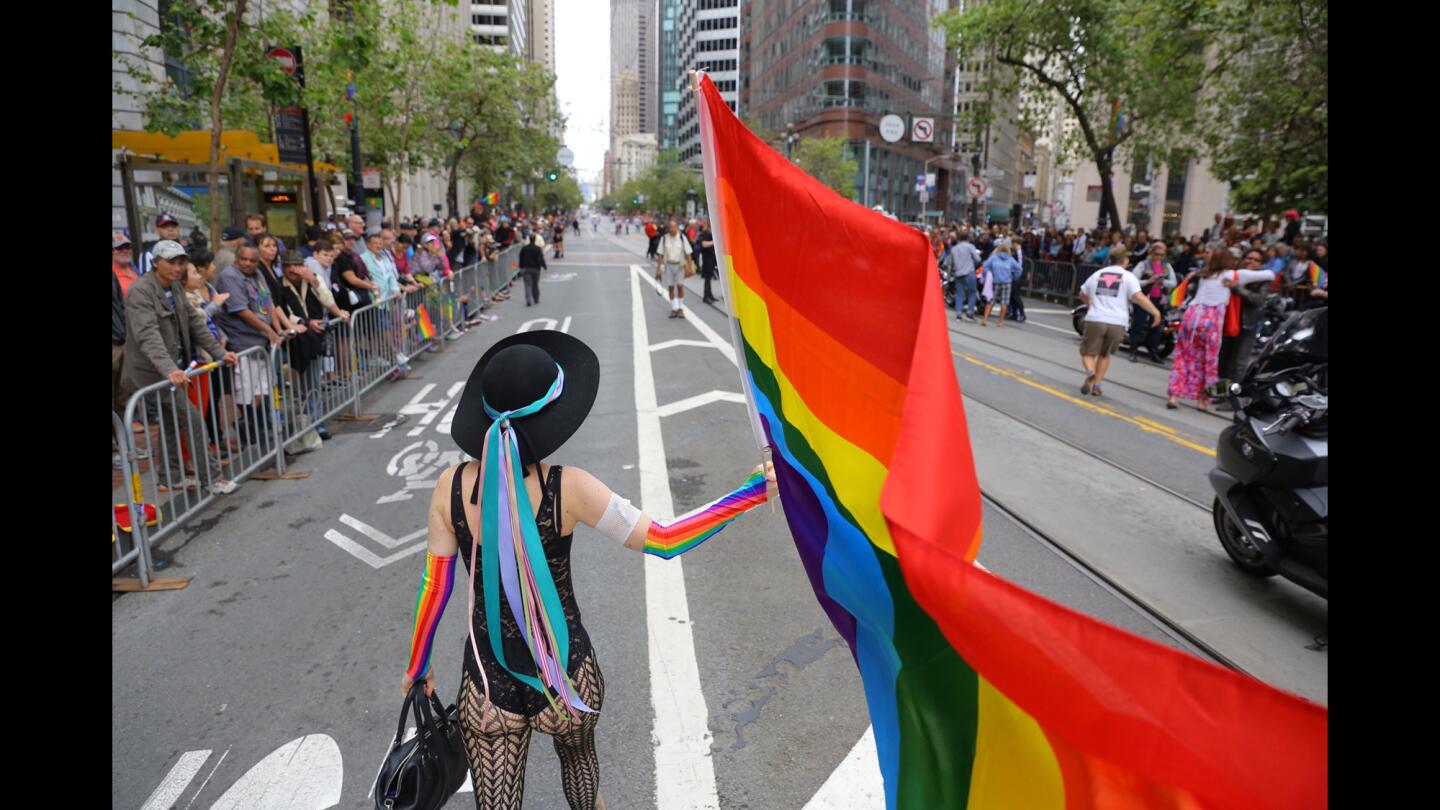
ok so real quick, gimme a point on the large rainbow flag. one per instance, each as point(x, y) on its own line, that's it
point(982, 695)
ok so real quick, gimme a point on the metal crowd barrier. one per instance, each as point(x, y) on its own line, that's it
point(230, 423)
point(1057, 281)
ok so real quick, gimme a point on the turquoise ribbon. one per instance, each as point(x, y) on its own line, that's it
point(519, 568)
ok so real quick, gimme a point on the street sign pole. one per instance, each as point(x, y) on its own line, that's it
point(309, 153)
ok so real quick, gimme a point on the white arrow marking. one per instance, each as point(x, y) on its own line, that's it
point(565, 325)
point(669, 344)
point(176, 780)
point(429, 410)
point(856, 784)
point(365, 555)
point(556, 277)
point(699, 400)
point(378, 536)
point(303, 774)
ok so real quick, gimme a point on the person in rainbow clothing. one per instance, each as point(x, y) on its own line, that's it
point(530, 664)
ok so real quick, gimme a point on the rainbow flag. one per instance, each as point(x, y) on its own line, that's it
point(1318, 277)
point(981, 694)
point(422, 318)
point(493, 198)
point(1177, 295)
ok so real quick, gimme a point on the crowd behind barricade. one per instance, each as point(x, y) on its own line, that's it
point(226, 344)
point(1128, 282)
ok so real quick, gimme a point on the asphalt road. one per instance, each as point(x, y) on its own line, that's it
point(273, 679)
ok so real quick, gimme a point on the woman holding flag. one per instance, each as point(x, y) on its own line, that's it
point(1197, 346)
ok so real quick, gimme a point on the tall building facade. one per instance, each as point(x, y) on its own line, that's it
point(671, 71)
point(634, 41)
point(541, 21)
point(501, 24)
point(710, 37)
point(836, 67)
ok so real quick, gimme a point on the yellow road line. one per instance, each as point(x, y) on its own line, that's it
point(1164, 431)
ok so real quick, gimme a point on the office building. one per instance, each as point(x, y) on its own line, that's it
point(502, 24)
point(709, 40)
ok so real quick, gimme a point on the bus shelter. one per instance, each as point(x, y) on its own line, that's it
point(161, 173)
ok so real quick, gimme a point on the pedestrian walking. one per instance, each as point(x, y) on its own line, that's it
point(671, 259)
point(1107, 294)
point(532, 262)
point(1003, 269)
point(162, 332)
point(534, 669)
point(964, 258)
point(1197, 345)
point(653, 234)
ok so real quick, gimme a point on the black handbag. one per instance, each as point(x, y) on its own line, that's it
point(422, 773)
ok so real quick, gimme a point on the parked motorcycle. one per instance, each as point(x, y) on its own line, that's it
point(1276, 311)
point(947, 284)
point(1160, 340)
point(1271, 476)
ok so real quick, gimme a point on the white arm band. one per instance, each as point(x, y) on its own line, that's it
point(619, 519)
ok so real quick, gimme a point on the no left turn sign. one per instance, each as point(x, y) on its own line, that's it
point(922, 130)
point(977, 187)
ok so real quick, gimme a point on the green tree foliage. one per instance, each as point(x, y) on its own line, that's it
point(1147, 56)
point(663, 187)
point(1268, 124)
point(826, 160)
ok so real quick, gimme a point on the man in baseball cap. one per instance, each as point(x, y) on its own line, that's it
point(163, 331)
point(168, 227)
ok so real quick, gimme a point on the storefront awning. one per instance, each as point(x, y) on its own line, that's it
point(194, 147)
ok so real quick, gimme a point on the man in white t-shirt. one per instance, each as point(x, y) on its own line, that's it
point(1108, 293)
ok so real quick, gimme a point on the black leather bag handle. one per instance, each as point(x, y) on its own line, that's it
point(404, 710)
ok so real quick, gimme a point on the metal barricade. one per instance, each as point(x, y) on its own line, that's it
point(310, 383)
point(217, 428)
point(126, 544)
point(1058, 281)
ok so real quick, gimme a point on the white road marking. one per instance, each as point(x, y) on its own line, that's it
point(545, 323)
point(1033, 311)
point(856, 784)
point(175, 782)
point(207, 778)
point(1052, 328)
point(303, 774)
point(378, 536)
point(699, 400)
point(565, 325)
point(721, 345)
point(670, 344)
point(429, 410)
point(365, 555)
point(684, 769)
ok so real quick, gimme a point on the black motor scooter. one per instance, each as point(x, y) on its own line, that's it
point(1271, 476)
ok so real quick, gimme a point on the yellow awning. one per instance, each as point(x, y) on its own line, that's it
point(194, 147)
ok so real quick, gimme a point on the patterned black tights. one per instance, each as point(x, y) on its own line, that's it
point(498, 743)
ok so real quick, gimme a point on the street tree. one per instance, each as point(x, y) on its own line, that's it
point(1267, 125)
point(1129, 72)
point(227, 81)
point(826, 161)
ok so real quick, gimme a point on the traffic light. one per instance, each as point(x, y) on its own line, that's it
point(634, 200)
point(552, 176)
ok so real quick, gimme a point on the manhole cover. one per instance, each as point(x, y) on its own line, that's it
point(372, 423)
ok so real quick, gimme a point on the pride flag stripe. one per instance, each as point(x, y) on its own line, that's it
point(436, 582)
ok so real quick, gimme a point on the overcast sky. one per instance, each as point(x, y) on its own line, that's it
point(582, 73)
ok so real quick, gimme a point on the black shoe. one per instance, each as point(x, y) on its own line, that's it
point(322, 433)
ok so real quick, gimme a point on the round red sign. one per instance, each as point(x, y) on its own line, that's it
point(285, 57)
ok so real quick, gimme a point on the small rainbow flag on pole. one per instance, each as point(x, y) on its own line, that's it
point(1177, 296)
point(982, 694)
point(422, 317)
point(1117, 119)
point(1318, 276)
point(493, 198)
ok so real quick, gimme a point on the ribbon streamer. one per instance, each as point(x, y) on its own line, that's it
point(510, 547)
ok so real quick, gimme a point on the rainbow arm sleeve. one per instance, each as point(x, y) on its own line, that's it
point(673, 538)
point(435, 585)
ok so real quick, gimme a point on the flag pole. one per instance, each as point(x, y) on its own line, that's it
point(717, 231)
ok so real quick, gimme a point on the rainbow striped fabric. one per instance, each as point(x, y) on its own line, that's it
point(435, 585)
point(422, 319)
point(1317, 276)
point(678, 536)
point(982, 695)
point(1177, 296)
point(493, 198)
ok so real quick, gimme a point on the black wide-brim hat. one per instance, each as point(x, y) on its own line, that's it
point(517, 371)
